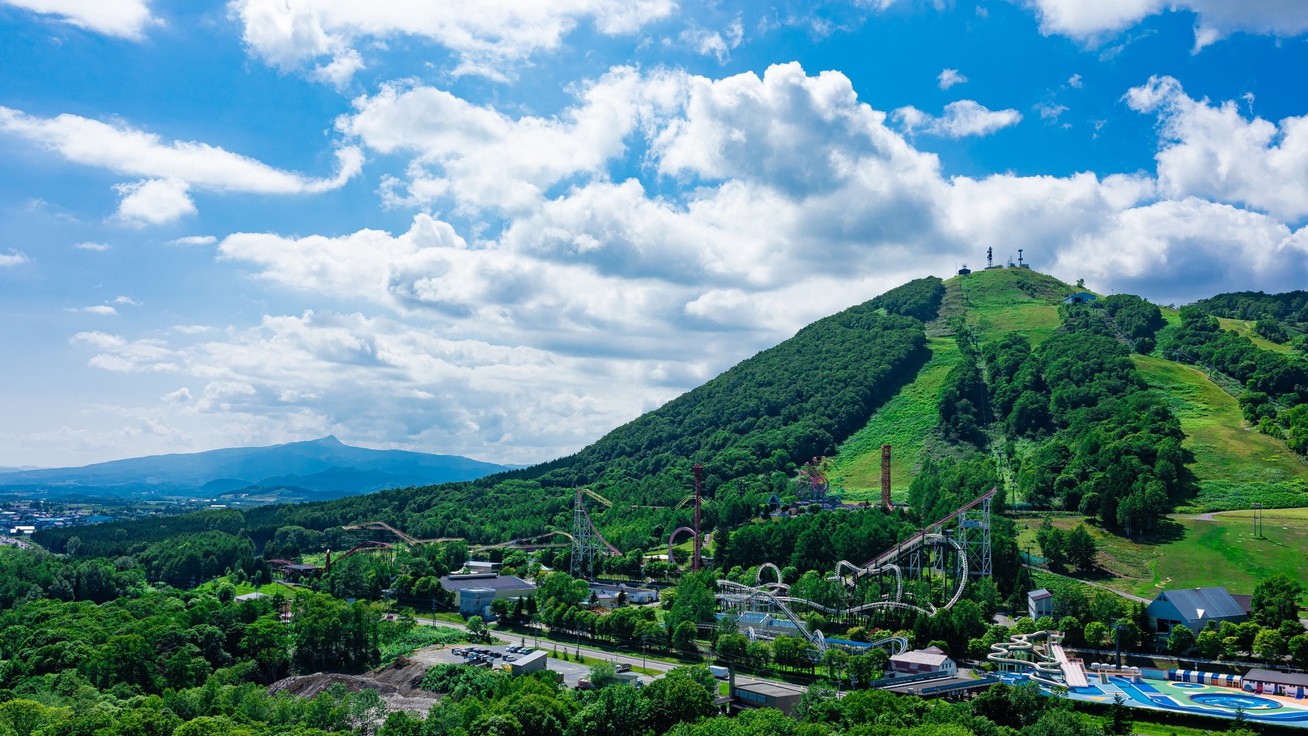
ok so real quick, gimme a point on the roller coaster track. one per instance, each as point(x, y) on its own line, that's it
point(935, 528)
point(381, 526)
point(527, 542)
point(952, 564)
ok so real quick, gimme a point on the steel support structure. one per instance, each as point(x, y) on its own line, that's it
point(585, 541)
point(974, 535)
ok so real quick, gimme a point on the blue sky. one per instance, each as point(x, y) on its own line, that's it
point(500, 228)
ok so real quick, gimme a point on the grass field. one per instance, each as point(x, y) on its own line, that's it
point(1202, 551)
point(903, 423)
point(1246, 328)
point(1002, 301)
point(1233, 464)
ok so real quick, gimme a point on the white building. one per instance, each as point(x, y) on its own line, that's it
point(1040, 603)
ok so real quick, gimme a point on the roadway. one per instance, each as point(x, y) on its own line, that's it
point(634, 660)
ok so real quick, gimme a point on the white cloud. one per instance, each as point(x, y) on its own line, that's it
point(1050, 110)
point(793, 199)
point(483, 158)
point(1167, 249)
point(12, 258)
point(713, 43)
point(126, 301)
point(127, 19)
point(1093, 21)
point(949, 78)
point(92, 246)
point(340, 70)
point(1075, 81)
point(961, 118)
point(1212, 151)
point(154, 201)
point(180, 396)
point(171, 169)
point(194, 240)
point(103, 310)
point(487, 36)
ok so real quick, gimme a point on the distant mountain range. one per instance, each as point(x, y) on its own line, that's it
point(298, 471)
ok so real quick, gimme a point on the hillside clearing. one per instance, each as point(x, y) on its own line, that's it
point(1246, 328)
point(1198, 551)
point(904, 423)
point(1224, 449)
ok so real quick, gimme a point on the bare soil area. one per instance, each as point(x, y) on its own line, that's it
point(397, 684)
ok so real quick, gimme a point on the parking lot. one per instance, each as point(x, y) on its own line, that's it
point(571, 671)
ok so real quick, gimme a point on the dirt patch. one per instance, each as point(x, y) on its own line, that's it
point(398, 685)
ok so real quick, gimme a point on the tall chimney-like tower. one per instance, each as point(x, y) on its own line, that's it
point(885, 477)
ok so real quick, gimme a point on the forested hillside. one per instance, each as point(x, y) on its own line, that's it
point(750, 427)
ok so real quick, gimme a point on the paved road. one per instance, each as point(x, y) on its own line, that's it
point(1091, 583)
point(654, 665)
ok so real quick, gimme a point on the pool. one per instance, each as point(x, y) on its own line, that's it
point(1235, 702)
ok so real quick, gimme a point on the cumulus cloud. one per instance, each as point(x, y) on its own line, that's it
point(488, 38)
point(127, 19)
point(714, 43)
point(950, 78)
point(171, 169)
point(154, 201)
point(1216, 19)
point(794, 199)
point(385, 380)
point(12, 258)
point(1212, 150)
point(92, 246)
point(961, 119)
point(484, 158)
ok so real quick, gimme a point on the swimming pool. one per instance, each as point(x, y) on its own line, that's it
point(1234, 701)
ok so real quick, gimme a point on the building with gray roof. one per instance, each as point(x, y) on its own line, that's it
point(1193, 608)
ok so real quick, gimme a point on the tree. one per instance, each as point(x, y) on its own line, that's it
point(1081, 549)
point(676, 698)
point(732, 647)
point(1269, 645)
point(1276, 599)
point(1096, 633)
point(1209, 644)
point(477, 628)
point(1298, 649)
point(616, 711)
point(603, 674)
point(1180, 641)
point(1120, 721)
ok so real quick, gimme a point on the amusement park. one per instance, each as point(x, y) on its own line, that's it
point(881, 604)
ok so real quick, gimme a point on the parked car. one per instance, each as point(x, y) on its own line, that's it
point(510, 658)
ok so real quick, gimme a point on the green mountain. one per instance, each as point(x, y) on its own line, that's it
point(1114, 409)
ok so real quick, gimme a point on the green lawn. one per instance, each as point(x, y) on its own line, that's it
point(1224, 449)
point(1200, 552)
point(1246, 327)
point(904, 423)
point(998, 302)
